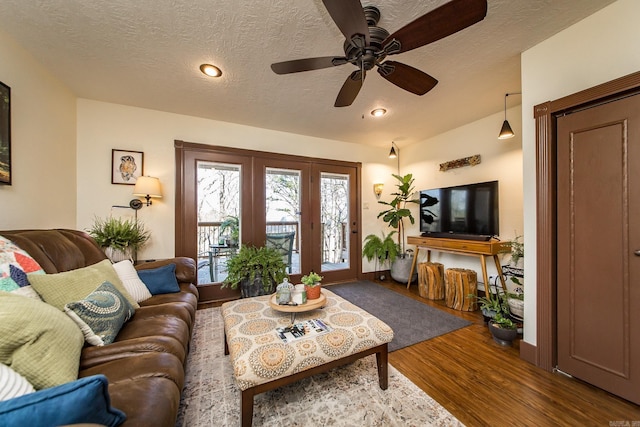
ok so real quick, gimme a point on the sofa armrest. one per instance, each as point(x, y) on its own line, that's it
point(185, 268)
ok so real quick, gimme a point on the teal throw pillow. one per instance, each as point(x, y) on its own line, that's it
point(101, 314)
point(83, 401)
point(161, 280)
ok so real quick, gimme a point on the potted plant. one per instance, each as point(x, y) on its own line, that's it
point(256, 270)
point(232, 225)
point(503, 330)
point(381, 249)
point(395, 215)
point(515, 272)
point(312, 285)
point(119, 238)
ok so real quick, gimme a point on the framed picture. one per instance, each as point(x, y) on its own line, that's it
point(126, 166)
point(5, 134)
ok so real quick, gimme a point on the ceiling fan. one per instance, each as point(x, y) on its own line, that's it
point(367, 45)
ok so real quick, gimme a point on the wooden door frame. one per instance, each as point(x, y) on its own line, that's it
point(184, 242)
point(544, 353)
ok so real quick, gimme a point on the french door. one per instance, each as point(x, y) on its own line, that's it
point(226, 198)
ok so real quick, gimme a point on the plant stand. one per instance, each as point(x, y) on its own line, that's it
point(431, 280)
point(460, 284)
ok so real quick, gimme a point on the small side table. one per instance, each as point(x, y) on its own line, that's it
point(214, 252)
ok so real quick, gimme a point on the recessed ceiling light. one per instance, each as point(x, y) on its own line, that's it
point(211, 70)
point(378, 112)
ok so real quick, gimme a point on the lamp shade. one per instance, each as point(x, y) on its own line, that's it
point(147, 186)
point(392, 153)
point(506, 132)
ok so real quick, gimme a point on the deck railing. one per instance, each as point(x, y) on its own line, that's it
point(209, 234)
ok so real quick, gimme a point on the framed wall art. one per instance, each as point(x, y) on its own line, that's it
point(5, 134)
point(126, 166)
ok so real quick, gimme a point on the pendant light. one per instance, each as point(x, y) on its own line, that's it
point(506, 132)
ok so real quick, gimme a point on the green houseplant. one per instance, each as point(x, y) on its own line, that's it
point(395, 214)
point(381, 249)
point(312, 284)
point(256, 270)
point(120, 238)
point(503, 330)
point(231, 224)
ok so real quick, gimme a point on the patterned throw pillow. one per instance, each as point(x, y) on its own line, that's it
point(15, 263)
point(12, 384)
point(131, 281)
point(101, 314)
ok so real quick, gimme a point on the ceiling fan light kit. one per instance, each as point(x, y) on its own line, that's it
point(367, 46)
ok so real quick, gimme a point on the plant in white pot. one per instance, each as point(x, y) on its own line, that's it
point(395, 215)
point(119, 238)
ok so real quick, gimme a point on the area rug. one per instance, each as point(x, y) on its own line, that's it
point(345, 396)
point(411, 320)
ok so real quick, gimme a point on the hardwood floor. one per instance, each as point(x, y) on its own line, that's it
point(484, 384)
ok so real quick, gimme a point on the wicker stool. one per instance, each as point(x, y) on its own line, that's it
point(431, 280)
point(460, 284)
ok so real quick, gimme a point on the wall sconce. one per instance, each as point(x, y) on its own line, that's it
point(377, 189)
point(147, 187)
point(506, 132)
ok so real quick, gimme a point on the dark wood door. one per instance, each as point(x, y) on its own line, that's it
point(598, 248)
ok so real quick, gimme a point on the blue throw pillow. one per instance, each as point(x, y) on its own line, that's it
point(82, 401)
point(161, 280)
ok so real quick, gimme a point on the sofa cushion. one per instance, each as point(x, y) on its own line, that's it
point(131, 281)
point(14, 266)
point(161, 280)
point(82, 401)
point(12, 384)
point(38, 341)
point(61, 288)
point(101, 314)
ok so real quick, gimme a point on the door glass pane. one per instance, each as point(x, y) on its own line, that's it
point(218, 187)
point(283, 215)
point(334, 217)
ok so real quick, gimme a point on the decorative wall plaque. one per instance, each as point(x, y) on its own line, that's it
point(466, 161)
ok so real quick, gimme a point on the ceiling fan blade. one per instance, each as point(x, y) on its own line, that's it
point(349, 17)
point(439, 23)
point(350, 89)
point(406, 77)
point(308, 64)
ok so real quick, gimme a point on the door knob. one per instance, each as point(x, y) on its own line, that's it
point(637, 253)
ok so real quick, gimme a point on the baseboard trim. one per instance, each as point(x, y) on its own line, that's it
point(529, 353)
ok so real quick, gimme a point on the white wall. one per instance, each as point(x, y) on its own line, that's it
point(500, 160)
point(43, 156)
point(600, 48)
point(104, 126)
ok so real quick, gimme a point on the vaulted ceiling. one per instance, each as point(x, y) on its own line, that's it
point(146, 53)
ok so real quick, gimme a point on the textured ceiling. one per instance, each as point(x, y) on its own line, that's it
point(146, 53)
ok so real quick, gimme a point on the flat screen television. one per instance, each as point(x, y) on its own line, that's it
point(464, 211)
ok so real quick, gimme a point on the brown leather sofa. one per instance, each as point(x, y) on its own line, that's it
point(145, 365)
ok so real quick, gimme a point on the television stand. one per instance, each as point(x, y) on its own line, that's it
point(481, 249)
